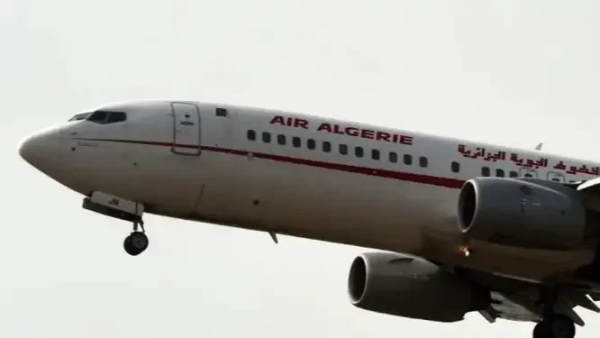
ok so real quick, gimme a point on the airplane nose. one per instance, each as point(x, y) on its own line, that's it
point(40, 149)
point(27, 148)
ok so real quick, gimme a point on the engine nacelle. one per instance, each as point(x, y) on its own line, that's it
point(520, 213)
point(412, 287)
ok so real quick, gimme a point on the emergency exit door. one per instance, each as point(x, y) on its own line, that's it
point(186, 129)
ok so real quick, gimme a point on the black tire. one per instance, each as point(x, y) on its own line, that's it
point(539, 331)
point(136, 243)
point(561, 326)
point(555, 326)
point(139, 240)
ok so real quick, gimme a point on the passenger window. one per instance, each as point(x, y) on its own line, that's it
point(393, 157)
point(514, 174)
point(326, 146)
point(312, 144)
point(407, 159)
point(359, 152)
point(455, 167)
point(281, 139)
point(266, 137)
point(499, 172)
point(251, 135)
point(375, 154)
point(423, 162)
point(98, 117)
point(485, 171)
point(343, 149)
point(297, 142)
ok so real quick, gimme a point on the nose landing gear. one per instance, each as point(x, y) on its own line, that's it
point(113, 206)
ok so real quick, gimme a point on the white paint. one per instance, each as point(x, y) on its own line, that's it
point(230, 182)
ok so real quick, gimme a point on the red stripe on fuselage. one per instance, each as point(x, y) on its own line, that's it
point(377, 172)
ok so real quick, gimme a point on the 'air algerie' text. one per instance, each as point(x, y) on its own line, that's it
point(341, 130)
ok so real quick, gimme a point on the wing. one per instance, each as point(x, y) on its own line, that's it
point(590, 191)
point(524, 306)
point(520, 301)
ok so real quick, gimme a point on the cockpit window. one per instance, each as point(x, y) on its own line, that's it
point(80, 117)
point(106, 117)
point(98, 117)
point(114, 117)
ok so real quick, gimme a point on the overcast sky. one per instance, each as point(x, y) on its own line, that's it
point(511, 72)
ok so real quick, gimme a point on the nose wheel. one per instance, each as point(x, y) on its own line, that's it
point(137, 242)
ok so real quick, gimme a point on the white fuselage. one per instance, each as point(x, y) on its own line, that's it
point(205, 167)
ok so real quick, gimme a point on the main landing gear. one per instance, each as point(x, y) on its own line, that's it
point(109, 205)
point(137, 242)
point(553, 325)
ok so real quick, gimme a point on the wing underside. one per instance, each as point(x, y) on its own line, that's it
point(524, 306)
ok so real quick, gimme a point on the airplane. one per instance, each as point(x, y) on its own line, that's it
point(455, 226)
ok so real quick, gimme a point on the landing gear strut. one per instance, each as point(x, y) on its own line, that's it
point(137, 242)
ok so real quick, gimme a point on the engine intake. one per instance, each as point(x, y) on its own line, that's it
point(527, 214)
point(412, 287)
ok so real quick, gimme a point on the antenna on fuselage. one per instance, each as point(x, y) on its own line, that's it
point(539, 146)
point(274, 237)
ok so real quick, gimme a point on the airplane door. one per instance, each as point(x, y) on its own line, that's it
point(186, 129)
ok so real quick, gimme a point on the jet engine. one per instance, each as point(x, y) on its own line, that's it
point(521, 213)
point(408, 286)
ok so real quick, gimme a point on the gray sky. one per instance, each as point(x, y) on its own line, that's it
point(511, 72)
